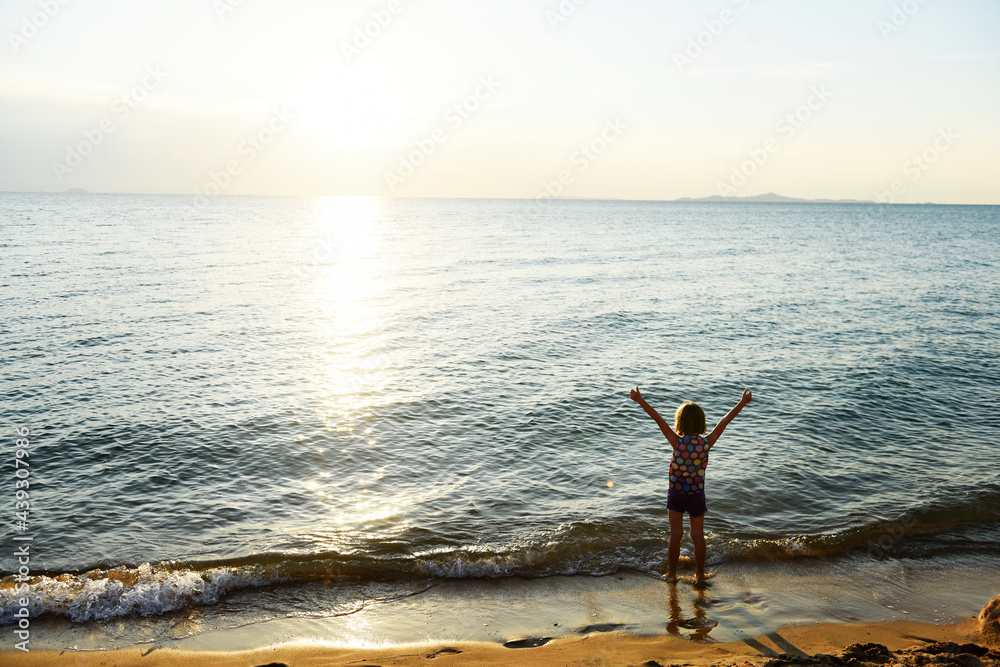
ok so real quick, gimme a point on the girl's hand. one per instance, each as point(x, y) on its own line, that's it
point(635, 395)
point(747, 397)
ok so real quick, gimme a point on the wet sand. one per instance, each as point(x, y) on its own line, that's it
point(751, 613)
point(788, 645)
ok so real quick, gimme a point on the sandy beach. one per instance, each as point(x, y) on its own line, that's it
point(974, 641)
point(897, 642)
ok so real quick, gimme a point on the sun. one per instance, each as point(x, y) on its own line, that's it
point(351, 107)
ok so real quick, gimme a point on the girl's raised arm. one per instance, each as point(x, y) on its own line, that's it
point(668, 432)
point(730, 416)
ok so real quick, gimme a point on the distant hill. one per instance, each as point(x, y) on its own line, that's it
point(76, 191)
point(772, 197)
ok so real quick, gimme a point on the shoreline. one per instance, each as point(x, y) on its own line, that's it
point(794, 644)
point(751, 613)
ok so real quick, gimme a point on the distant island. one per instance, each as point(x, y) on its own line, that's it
point(76, 191)
point(772, 197)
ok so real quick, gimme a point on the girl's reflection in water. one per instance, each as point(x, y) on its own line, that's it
point(699, 623)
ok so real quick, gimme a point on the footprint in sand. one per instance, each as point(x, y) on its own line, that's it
point(698, 583)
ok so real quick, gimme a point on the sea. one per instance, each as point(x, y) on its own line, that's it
point(310, 404)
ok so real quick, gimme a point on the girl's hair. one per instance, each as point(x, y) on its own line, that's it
point(689, 420)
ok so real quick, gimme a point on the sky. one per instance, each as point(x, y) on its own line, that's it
point(887, 100)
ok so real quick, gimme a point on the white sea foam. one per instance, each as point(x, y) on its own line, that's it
point(146, 591)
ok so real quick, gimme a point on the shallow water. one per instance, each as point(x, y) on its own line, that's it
point(285, 391)
point(746, 600)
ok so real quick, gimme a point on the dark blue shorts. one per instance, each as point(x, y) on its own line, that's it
point(692, 503)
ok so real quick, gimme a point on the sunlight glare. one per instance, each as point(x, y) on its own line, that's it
point(351, 107)
point(349, 315)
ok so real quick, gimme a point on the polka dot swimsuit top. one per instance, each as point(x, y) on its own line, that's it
point(687, 467)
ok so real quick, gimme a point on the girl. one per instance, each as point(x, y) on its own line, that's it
point(687, 474)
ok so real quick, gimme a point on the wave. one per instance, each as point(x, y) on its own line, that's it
point(147, 590)
point(154, 589)
point(574, 549)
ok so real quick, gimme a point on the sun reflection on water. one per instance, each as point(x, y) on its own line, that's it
point(352, 366)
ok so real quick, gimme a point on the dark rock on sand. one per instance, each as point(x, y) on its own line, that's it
point(950, 653)
point(867, 654)
point(989, 621)
point(943, 654)
point(530, 642)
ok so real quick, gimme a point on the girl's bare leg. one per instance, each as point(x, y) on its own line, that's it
point(674, 550)
point(698, 537)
